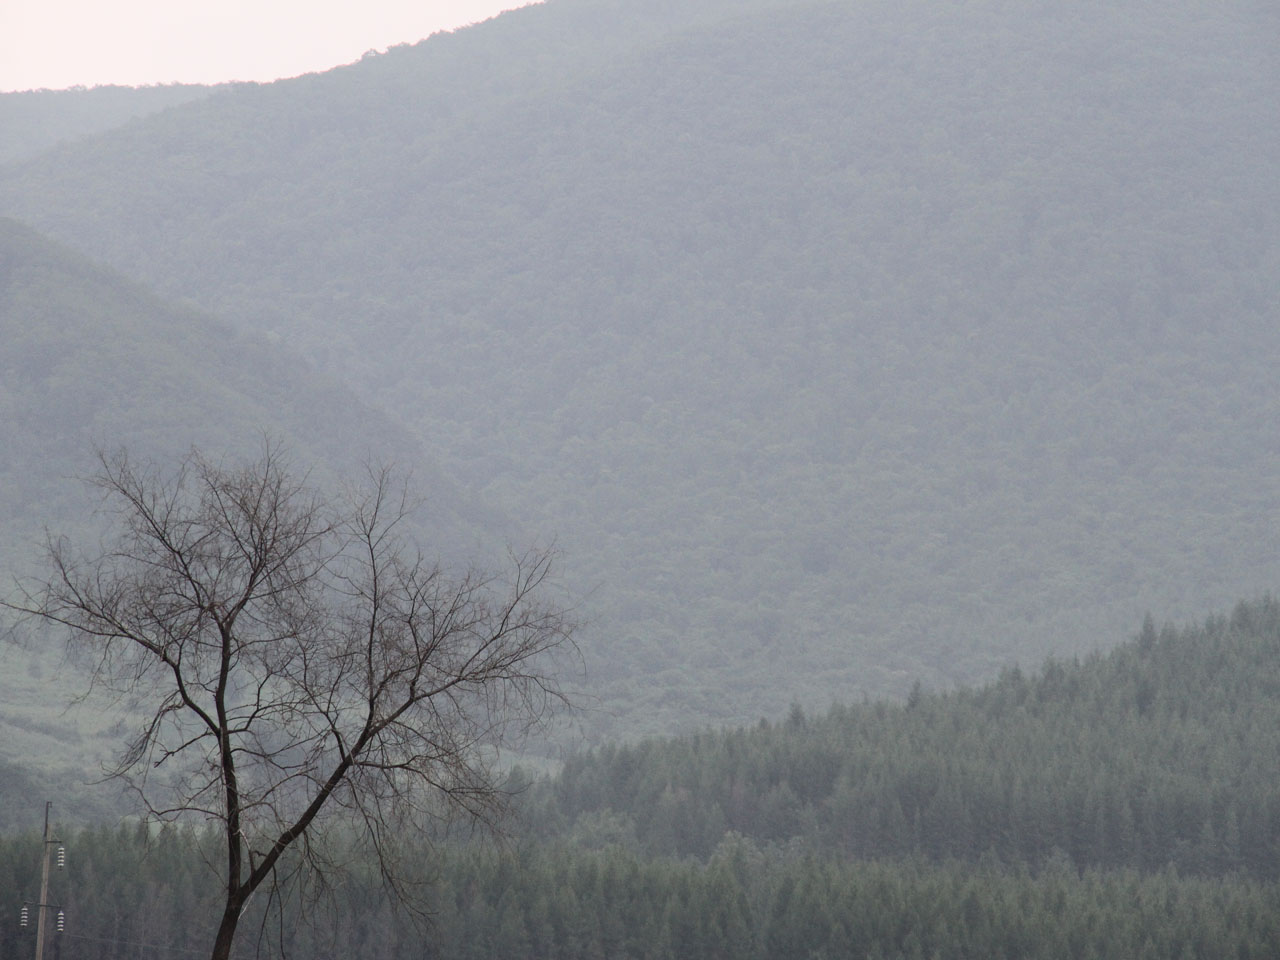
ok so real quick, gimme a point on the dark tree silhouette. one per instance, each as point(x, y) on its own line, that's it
point(299, 664)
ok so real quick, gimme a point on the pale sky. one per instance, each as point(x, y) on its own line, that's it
point(62, 43)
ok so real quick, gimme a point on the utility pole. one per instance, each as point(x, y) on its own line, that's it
point(43, 906)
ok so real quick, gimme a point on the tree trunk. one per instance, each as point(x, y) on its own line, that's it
point(226, 931)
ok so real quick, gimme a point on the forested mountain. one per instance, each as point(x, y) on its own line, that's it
point(92, 359)
point(32, 121)
point(1158, 754)
point(89, 359)
point(840, 344)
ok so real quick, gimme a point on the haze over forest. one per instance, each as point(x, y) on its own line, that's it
point(840, 347)
point(847, 351)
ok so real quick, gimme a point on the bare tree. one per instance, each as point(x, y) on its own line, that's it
point(298, 662)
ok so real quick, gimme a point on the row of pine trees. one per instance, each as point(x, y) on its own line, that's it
point(1123, 806)
point(1160, 753)
point(136, 896)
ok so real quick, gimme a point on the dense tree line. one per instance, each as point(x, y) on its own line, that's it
point(131, 894)
point(1159, 752)
point(1122, 806)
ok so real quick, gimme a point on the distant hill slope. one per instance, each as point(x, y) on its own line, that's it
point(88, 358)
point(841, 344)
point(1160, 752)
point(32, 121)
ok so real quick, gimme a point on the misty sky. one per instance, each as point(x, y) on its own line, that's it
point(62, 43)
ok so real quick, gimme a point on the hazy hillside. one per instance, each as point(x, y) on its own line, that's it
point(1156, 753)
point(88, 358)
point(31, 121)
point(841, 344)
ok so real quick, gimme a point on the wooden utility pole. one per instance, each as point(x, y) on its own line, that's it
point(43, 906)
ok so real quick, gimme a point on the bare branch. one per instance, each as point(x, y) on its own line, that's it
point(306, 668)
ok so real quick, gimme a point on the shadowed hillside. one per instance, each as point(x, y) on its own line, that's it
point(90, 359)
point(32, 121)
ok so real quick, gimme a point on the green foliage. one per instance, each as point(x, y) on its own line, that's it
point(1116, 808)
point(129, 894)
point(1155, 754)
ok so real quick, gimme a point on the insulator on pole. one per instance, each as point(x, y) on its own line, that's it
point(62, 857)
point(23, 916)
point(62, 921)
